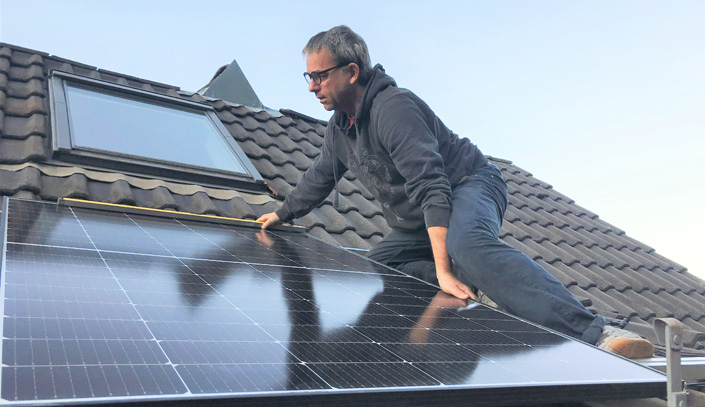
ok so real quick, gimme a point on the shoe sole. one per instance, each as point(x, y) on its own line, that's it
point(632, 348)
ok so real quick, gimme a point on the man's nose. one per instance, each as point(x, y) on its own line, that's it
point(313, 86)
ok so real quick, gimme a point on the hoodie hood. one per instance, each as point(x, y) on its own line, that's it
point(378, 82)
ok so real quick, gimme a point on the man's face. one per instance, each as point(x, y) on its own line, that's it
point(334, 84)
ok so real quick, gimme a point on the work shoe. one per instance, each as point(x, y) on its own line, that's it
point(624, 343)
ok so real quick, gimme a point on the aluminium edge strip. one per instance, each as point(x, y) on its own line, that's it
point(165, 213)
point(3, 255)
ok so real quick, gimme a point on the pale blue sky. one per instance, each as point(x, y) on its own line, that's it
point(605, 100)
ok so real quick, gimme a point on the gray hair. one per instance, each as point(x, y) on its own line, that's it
point(344, 46)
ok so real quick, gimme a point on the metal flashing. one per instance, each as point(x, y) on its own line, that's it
point(232, 85)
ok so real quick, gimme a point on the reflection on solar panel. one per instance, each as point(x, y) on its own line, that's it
point(111, 307)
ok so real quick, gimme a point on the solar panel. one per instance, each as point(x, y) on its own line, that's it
point(103, 306)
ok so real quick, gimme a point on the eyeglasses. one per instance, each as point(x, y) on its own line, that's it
point(318, 76)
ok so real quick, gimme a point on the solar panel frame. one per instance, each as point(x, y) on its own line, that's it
point(425, 392)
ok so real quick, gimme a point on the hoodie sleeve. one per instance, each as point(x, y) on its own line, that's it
point(316, 183)
point(405, 131)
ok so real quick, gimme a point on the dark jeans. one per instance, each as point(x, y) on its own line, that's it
point(509, 277)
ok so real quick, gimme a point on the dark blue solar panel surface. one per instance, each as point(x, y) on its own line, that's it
point(103, 306)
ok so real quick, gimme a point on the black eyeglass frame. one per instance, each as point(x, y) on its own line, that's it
point(315, 76)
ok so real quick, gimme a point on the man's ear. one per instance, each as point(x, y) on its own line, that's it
point(355, 70)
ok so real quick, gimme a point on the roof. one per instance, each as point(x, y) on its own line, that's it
point(594, 259)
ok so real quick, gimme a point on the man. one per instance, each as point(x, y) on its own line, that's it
point(443, 200)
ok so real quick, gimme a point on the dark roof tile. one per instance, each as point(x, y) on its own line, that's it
point(291, 174)
point(517, 229)
point(283, 143)
point(24, 107)
point(633, 244)
point(363, 226)
point(274, 129)
point(673, 264)
point(54, 65)
point(227, 117)
point(645, 307)
point(366, 207)
point(120, 192)
point(603, 240)
point(253, 150)
point(5, 52)
point(312, 138)
point(24, 90)
point(23, 127)
point(692, 304)
point(636, 259)
point(692, 279)
point(285, 121)
point(249, 123)
point(601, 302)
point(25, 74)
point(158, 198)
point(26, 59)
point(623, 279)
point(279, 187)
point(616, 301)
point(278, 157)
point(235, 208)
point(321, 233)
point(381, 224)
point(350, 239)
point(564, 235)
point(73, 186)
point(27, 179)
point(570, 275)
point(306, 147)
point(199, 203)
point(32, 148)
point(265, 167)
point(697, 325)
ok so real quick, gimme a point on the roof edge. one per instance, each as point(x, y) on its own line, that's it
point(499, 160)
point(302, 116)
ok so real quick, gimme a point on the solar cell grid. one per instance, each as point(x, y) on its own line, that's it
point(112, 306)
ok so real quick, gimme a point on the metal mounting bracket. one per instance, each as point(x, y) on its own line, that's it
point(669, 331)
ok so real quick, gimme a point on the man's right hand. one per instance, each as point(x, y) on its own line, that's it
point(269, 219)
point(451, 285)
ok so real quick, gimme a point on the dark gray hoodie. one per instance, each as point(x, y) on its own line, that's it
point(398, 149)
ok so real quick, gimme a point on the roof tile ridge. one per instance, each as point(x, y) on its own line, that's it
point(22, 49)
point(657, 290)
point(676, 266)
point(588, 245)
point(298, 115)
point(126, 77)
point(499, 160)
point(557, 260)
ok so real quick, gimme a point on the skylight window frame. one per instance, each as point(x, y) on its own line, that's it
point(65, 149)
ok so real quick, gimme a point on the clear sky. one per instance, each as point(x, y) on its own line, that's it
point(605, 100)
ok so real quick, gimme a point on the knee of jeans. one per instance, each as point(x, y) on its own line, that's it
point(468, 244)
point(386, 256)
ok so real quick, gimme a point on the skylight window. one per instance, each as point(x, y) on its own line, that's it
point(107, 125)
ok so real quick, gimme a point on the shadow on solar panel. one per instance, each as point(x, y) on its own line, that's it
point(111, 307)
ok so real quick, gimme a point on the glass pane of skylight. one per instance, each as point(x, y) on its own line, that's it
point(128, 126)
